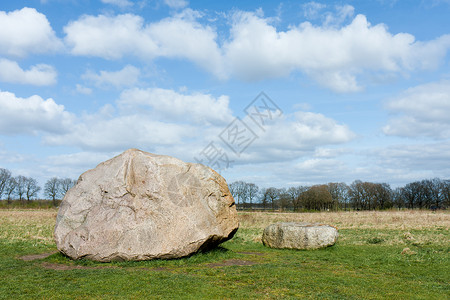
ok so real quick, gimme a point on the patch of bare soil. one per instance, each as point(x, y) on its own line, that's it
point(62, 267)
point(231, 262)
point(36, 256)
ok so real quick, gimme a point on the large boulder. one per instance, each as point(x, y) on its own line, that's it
point(293, 235)
point(140, 206)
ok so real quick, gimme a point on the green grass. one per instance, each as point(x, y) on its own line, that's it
point(364, 264)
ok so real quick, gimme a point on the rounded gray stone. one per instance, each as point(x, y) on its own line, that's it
point(294, 235)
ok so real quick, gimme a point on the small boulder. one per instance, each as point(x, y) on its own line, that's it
point(141, 206)
point(293, 235)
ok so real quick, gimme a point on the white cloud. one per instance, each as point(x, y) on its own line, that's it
point(197, 108)
point(180, 36)
point(32, 115)
point(337, 81)
point(72, 165)
point(128, 76)
point(335, 17)
point(307, 130)
point(342, 14)
point(423, 111)
point(324, 152)
point(406, 163)
point(120, 3)
point(119, 133)
point(183, 124)
point(312, 9)
point(316, 168)
point(26, 31)
point(176, 3)
point(83, 90)
point(293, 136)
point(304, 171)
point(86, 159)
point(332, 56)
point(109, 37)
point(40, 74)
point(337, 56)
point(10, 157)
point(396, 165)
point(149, 119)
point(183, 37)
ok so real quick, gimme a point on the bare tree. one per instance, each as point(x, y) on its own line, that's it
point(52, 189)
point(65, 185)
point(283, 198)
point(272, 196)
point(31, 188)
point(412, 194)
point(384, 195)
point(437, 192)
point(239, 192)
point(356, 194)
point(5, 175)
point(21, 186)
point(10, 188)
point(234, 190)
point(368, 195)
point(339, 193)
point(397, 197)
point(264, 198)
point(294, 196)
point(251, 192)
point(446, 193)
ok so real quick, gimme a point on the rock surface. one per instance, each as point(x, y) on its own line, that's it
point(299, 235)
point(140, 206)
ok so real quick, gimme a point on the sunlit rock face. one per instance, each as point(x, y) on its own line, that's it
point(140, 206)
point(293, 235)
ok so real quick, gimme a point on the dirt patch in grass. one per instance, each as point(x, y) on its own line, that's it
point(62, 267)
point(36, 256)
point(231, 262)
point(68, 267)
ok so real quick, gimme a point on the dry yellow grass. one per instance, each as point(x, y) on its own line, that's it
point(391, 227)
point(404, 220)
point(419, 227)
point(35, 225)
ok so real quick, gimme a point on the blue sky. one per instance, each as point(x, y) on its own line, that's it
point(359, 89)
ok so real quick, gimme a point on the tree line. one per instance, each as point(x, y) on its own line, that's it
point(24, 188)
point(425, 194)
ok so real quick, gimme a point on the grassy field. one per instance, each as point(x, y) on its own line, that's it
point(379, 255)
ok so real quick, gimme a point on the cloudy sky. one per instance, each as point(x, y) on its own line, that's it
point(351, 90)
